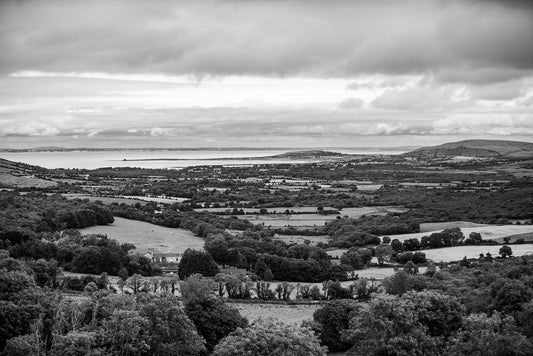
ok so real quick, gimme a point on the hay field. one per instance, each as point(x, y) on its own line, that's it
point(146, 236)
point(488, 232)
point(427, 227)
point(449, 254)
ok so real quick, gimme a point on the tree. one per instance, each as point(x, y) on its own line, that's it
point(262, 270)
point(194, 261)
point(410, 268)
point(508, 295)
point(417, 323)
point(135, 282)
point(214, 320)
point(397, 245)
point(506, 251)
point(124, 333)
point(333, 318)
point(383, 253)
point(496, 335)
point(267, 337)
point(76, 343)
point(474, 238)
point(196, 286)
point(398, 284)
point(170, 330)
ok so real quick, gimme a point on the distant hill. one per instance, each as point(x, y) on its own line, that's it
point(308, 154)
point(476, 148)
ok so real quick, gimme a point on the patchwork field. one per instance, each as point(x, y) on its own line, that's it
point(147, 236)
point(307, 216)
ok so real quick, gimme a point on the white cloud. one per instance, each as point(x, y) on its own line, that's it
point(460, 40)
point(31, 128)
point(351, 103)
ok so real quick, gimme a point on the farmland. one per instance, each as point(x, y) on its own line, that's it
point(488, 232)
point(147, 236)
point(449, 254)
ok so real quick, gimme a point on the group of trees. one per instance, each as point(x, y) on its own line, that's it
point(74, 252)
point(36, 320)
point(485, 309)
point(38, 212)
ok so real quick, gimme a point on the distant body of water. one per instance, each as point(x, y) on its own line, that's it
point(160, 158)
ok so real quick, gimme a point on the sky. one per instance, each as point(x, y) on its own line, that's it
point(264, 73)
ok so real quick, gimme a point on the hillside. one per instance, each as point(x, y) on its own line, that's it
point(20, 175)
point(476, 148)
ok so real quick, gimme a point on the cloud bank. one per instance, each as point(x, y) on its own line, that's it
point(457, 40)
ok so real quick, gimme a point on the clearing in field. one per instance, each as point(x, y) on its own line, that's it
point(146, 236)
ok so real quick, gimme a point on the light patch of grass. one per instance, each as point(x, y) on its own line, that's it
point(146, 236)
point(449, 254)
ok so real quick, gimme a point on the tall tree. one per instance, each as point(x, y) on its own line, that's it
point(194, 261)
point(268, 337)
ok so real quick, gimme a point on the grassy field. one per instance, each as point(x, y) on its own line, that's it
point(488, 232)
point(300, 239)
point(24, 181)
point(147, 236)
point(105, 200)
point(427, 227)
point(296, 220)
point(449, 254)
point(371, 210)
point(304, 216)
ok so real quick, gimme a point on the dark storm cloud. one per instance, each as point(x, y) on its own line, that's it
point(451, 39)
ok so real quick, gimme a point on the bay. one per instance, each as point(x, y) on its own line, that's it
point(163, 158)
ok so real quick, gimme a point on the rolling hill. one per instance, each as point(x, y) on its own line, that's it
point(21, 175)
point(476, 148)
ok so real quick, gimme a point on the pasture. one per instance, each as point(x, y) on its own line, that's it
point(105, 200)
point(300, 239)
point(148, 237)
point(428, 227)
point(449, 254)
point(488, 232)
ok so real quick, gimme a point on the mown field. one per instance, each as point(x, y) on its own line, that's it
point(488, 232)
point(449, 254)
point(148, 236)
point(307, 216)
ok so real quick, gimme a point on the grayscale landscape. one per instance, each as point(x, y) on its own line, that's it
point(228, 177)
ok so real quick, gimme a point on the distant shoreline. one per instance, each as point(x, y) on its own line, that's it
point(229, 149)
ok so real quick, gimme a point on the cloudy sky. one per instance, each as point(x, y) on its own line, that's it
point(277, 73)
